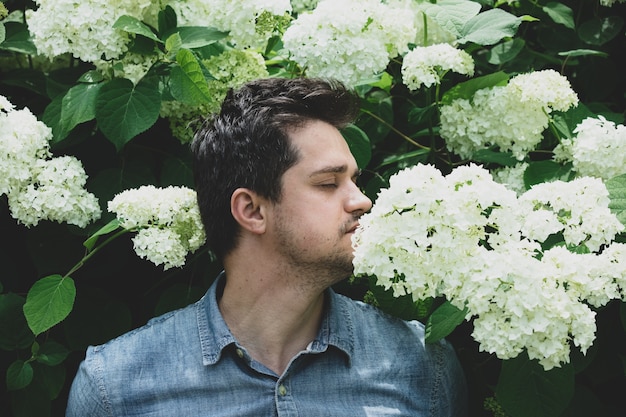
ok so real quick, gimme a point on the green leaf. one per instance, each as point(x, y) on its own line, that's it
point(452, 14)
point(106, 229)
point(124, 110)
point(506, 51)
point(19, 375)
point(173, 44)
point(17, 39)
point(490, 27)
point(91, 77)
point(466, 89)
point(560, 13)
point(584, 52)
point(545, 171)
point(32, 80)
point(167, 20)
point(443, 321)
point(48, 302)
point(51, 353)
point(199, 36)
point(403, 306)
point(14, 332)
point(489, 156)
point(133, 25)
point(599, 31)
point(407, 158)
point(526, 389)
point(187, 81)
point(3, 33)
point(617, 194)
point(52, 117)
point(78, 106)
point(359, 144)
point(418, 114)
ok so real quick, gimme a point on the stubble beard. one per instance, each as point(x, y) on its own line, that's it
point(317, 270)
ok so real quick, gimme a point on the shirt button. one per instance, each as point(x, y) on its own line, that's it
point(282, 390)
point(240, 353)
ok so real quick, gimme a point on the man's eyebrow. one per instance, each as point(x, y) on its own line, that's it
point(338, 169)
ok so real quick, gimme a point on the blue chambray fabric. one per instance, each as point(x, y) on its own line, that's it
point(187, 363)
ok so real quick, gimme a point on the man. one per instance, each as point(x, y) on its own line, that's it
point(277, 190)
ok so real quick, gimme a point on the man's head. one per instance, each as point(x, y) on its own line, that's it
point(247, 144)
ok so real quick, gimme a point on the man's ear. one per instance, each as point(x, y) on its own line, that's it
point(248, 209)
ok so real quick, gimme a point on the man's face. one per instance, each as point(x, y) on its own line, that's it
point(320, 204)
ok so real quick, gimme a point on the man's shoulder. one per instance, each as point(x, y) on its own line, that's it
point(169, 330)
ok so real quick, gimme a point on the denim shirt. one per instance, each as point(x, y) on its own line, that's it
point(187, 363)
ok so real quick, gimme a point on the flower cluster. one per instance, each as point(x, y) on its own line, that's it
point(167, 222)
point(609, 3)
point(23, 139)
point(349, 40)
point(426, 64)
point(250, 23)
point(512, 117)
point(577, 209)
point(597, 150)
point(472, 240)
point(512, 177)
point(39, 187)
point(83, 28)
point(56, 191)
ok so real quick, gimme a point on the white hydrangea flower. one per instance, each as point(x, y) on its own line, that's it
point(426, 64)
point(23, 140)
point(529, 310)
point(493, 117)
point(413, 226)
point(579, 209)
point(250, 23)
point(614, 268)
point(160, 246)
point(609, 3)
point(598, 148)
point(348, 40)
point(171, 216)
point(468, 238)
point(55, 192)
point(512, 177)
point(513, 117)
point(548, 88)
point(83, 28)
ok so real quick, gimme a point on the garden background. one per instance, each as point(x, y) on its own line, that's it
point(98, 97)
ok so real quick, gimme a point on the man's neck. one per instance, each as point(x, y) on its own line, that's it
point(269, 315)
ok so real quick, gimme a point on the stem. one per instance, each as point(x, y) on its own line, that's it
point(396, 131)
point(85, 258)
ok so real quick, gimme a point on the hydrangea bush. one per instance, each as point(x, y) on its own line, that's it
point(472, 240)
point(491, 139)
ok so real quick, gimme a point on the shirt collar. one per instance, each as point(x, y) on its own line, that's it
point(336, 329)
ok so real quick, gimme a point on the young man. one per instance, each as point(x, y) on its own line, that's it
point(277, 190)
